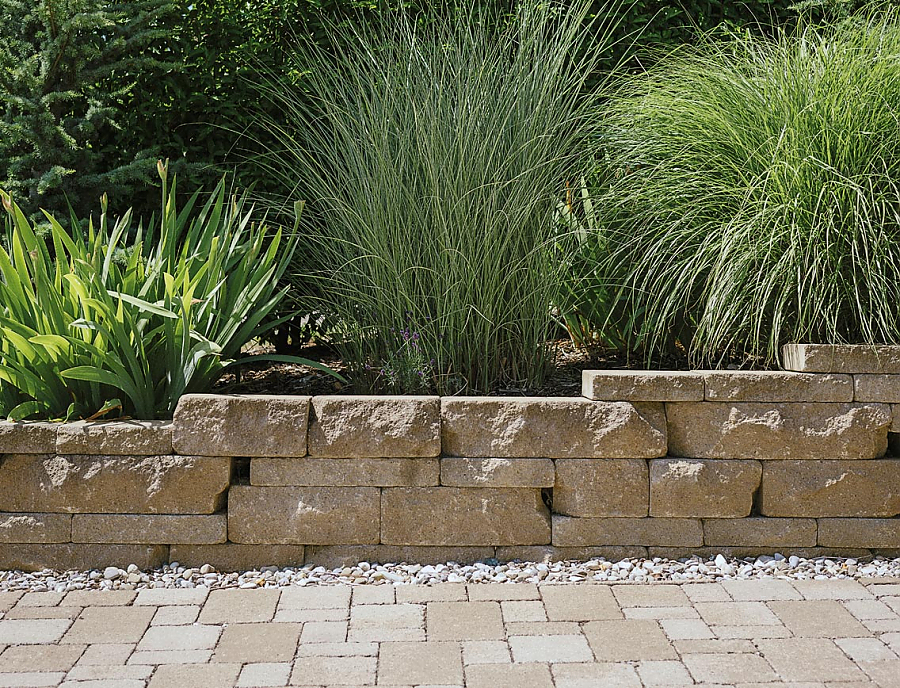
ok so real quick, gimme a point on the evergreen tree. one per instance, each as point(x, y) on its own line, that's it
point(67, 71)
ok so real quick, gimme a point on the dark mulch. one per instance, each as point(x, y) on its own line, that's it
point(564, 381)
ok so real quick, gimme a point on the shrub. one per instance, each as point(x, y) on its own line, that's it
point(754, 196)
point(125, 320)
point(436, 154)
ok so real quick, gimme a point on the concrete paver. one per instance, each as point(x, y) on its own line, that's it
point(735, 634)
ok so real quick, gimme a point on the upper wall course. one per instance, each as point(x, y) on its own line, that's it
point(551, 427)
point(774, 386)
point(220, 425)
point(841, 358)
point(27, 437)
point(883, 388)
point(128, 438)
point(642, 385)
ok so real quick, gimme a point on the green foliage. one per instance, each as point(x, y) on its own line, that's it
point(434, 154)
point(66, 69)
point(144, 317)
point(754, 197)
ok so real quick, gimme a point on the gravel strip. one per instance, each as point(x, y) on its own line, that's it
point(599, 570)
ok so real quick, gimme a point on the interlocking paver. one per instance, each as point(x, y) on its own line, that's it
point(241, 606)
point(465, 621)
point(577, 603)
point(109, 625)
point(550, 648)
point(508, 676)
point(429, 663)
point(733, 634)
point(628, 640)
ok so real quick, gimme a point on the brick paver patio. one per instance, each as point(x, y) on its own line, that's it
point(747, 634)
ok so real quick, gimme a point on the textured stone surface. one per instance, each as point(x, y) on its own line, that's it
point(367, 426)
point(642, 385)
point(464, 516)
point(308, 471)
point(712, 430)
point(35, 528)
point(149, 529)
point(27, 438)
point(485, 472)
point(128, 438)
point(859, 532)
point(766, 385)
point(759, 532)
point(67, 556)
point(113, 484)
point(551, 427)
point(231, 556)
point(601, 487)
point(656, 532)
point(219, 425)
point(883, 388)
point(703, 488)
point(841, 358)
point(831, 488)
point(333, 556)
point(303, 515)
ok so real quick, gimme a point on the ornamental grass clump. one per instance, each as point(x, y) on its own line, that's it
point(124, 320)
point(433, 154)
point(754, 196)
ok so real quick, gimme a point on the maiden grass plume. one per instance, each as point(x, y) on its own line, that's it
point(433, 156)
point(754, 196)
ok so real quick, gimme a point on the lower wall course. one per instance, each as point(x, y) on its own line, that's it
point(143, 529)
point(231, 556)
point(335, 556)
point(312, 471)
point(601, 488)
point(831, 488)
point(80, 556)
point(478, 516)
point(703, 488)
point(488, 472)
point(760, 532)
point(598, 532)
point(874, 533)
point(35, 528)
point(304, 515)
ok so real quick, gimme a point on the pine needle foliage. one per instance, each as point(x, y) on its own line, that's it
point(755, 197)
point(433, 155)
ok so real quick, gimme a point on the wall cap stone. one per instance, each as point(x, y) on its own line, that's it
point(27, 437)
point(777, 386)
point(642, 385)
point(841, 358)
point(122, 437)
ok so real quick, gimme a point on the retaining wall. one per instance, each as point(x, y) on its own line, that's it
point(658, 463)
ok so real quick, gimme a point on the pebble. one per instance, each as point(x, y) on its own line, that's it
point(635, 570)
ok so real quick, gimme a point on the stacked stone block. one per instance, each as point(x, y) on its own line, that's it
point(659, 463)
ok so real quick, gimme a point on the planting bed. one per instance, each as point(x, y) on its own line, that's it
point(658, 463)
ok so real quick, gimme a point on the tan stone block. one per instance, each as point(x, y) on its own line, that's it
point(628, 640)
point(68, 556)
point(126, 438)
point(304, 515)
point(841, 358)
point(311, 471)
point(759, 532)
point(334, 671)
point(465, 621)
point(734, 668)
point(381, 623)
point(805, 619)
point(149, 529)
point(206, 675)
point(220, 425)
point(487, 472)
point(809, 659)
point(551, 428)
point(592, 532)
point(756, 430)
point(579, 603)
point(880, 388)
point(859, 532)
point(113, 484)
point(370, 426)
point(432, 663)
point(463, 516)
point(256, 642)
point(231, 606)
point(194, 637)
point(775, 386)
point(831, 488)
point(546, 553)
point(334, 556)
point(110, 625)
point(32, 631)
point(703, 488)
point(642, 385)
point(35, 528)
point(22, 658)
point(601, 487)
point(231, 556)
point(26, 437)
